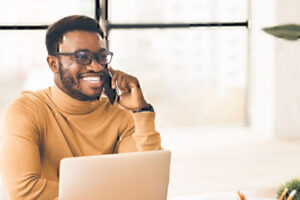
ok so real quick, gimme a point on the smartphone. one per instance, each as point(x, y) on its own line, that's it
point(110, 93)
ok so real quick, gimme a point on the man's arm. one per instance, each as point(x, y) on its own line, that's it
point(20, 155)
point(138, 133)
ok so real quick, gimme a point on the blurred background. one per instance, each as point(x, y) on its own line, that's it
point(226, 94)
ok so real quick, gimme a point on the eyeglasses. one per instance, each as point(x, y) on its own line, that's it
point(87, 57)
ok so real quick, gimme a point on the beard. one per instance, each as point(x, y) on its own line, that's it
point(72, 86)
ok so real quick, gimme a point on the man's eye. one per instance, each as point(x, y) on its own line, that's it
point(102, 56)
point(82, 56)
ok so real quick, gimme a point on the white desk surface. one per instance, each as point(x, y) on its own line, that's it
point(217, 196)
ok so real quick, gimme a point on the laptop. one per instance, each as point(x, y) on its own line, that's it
point(125, 176)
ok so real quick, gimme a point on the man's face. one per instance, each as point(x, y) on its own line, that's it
point(77, 80)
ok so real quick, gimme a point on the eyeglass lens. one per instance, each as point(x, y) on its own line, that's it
point(87, 57)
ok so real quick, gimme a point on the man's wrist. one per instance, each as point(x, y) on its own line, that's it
point(148, 108)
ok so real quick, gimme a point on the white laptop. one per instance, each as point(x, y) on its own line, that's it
point(126, 176)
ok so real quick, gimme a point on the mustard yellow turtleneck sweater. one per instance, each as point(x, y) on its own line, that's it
point(41, 128)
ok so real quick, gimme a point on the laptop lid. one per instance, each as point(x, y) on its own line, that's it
point(126, 176)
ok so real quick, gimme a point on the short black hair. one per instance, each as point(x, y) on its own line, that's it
point(70, 23)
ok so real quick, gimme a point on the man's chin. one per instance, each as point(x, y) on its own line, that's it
point(92, 96)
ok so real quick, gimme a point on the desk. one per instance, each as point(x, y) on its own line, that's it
point(251, 195)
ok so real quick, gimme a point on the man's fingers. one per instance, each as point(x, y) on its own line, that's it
point(122, 83)
point(114, 80)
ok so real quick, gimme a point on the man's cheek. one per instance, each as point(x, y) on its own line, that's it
point(68, 62)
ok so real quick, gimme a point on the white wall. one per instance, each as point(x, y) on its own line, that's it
point(261, 68)
point(274, 98)
point(287, 95)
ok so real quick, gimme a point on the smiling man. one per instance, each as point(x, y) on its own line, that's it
point(72, 118)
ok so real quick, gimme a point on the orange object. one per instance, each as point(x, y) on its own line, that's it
point(292, 194)
point(283, 193)
point(241, 195)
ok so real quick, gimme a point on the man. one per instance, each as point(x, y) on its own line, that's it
point(72, 118)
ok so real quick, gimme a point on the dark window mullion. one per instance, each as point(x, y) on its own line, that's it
point(177, 25)
point(97, 10)
point(111, 26)
point(23, 27)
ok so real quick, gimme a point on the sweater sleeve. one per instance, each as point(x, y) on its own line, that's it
point(20, 157)
point(139, 133)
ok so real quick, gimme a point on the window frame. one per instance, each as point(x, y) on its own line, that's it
point(101, 14)
point(97, 13)
point(105, 22)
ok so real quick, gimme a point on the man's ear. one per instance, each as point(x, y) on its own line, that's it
point(53, 63)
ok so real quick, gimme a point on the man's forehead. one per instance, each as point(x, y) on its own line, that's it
point(81, 33)
point(75, 40)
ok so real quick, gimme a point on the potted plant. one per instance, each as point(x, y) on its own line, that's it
point(291, 185)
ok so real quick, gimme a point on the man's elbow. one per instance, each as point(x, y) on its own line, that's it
point(29, 188)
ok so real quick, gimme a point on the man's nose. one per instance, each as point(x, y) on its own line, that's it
point(96, 66)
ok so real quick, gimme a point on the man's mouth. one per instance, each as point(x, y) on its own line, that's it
point(92, 79)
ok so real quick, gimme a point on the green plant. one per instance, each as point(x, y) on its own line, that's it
point(285, 31)
point(293, 184)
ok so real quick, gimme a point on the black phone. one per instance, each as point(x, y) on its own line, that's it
point(110, 93)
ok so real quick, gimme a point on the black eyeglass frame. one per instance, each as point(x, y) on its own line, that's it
point(94, 55)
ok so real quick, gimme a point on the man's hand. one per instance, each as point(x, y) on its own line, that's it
point(131, 96)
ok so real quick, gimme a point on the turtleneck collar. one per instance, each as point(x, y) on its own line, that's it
point(70, 105)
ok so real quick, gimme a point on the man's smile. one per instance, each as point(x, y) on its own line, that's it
point(93, 80)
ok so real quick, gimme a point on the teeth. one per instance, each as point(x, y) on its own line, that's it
point(92, 79)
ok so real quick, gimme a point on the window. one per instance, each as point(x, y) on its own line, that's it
point(44, 12)
point(22, 36)
point(191, 58)
point(193, 68)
